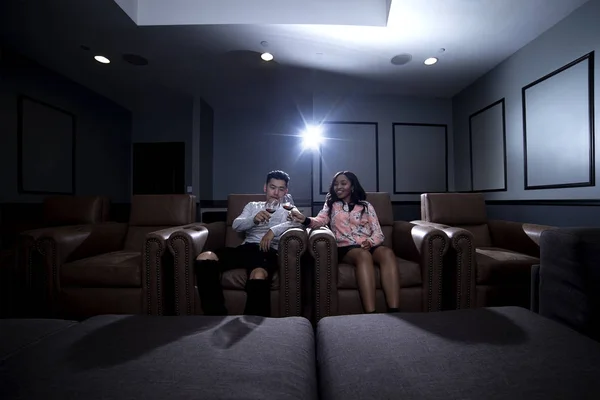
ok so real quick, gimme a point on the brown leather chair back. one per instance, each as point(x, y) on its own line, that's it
point(235, 206)
point(150, 213)
point(382, 203)
point(75, 210)
point(462, 210)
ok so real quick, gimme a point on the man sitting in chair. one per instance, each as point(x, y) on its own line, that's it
point(257, 254)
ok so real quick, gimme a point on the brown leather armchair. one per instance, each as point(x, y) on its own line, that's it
point(57, 211)
point(419, 251)
point(285, 287)
point(116, 268)
point(489, 262)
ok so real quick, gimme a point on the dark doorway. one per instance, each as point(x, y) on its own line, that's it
point(159, 168)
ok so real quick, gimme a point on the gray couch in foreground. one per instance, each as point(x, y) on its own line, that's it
point(487, 353)
point(565, 284)
point(493, 353)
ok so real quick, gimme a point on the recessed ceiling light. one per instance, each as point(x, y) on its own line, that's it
point(430, 61)
point(102, 59)
point(401, 59)
point(135, 59)
point(266, 56)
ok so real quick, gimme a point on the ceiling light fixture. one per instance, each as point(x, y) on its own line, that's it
point(266, 56)
point(401, 59)
point(102, 59)
point(135, 59)
point(430, 61)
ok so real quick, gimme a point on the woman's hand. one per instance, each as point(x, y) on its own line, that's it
point(296, 216)
point(366, 245)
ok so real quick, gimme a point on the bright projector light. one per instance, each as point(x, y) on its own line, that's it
point(311, 137)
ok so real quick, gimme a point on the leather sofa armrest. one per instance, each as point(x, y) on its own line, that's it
point(292, 245)
point(70, 243)
point(153, 269)
point(460, 263)
point(517, 236)
point(427, 246)
point(323, 248)
point(186, 243)
point(26, 246)
point(217, 232)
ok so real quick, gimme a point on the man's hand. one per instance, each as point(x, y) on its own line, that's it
point(366, 245)
point(262, 216)
point(265, 243)
point(296, 216)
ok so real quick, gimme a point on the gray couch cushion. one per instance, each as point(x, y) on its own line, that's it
point(17, 334)
point(494, 353)
point(142, 357)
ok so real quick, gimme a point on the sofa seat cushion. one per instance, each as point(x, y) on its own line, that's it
point(410, 275)
point(158, 358)
point(116, 269)
point(235, 279)
point(19, 333)
point(495, 265)
point(495, 353)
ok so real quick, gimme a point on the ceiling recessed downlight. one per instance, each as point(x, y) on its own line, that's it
point(401, 59)
point(430, 61)
point(102, 59)
point(135, 59)
point(266, 56)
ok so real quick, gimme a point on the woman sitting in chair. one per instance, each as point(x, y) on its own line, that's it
point(358, 234)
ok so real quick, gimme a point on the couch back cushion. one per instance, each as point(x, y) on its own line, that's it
point(75, 210)
point(382, 203)
point(235, 206)
point(150, 213)
point(462, 210)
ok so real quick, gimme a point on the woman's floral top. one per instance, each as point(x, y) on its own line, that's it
point(350, 227)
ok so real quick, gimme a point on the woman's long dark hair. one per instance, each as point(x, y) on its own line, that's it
point(358, 195)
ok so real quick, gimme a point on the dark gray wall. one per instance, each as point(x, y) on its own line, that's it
point(263, 134)
point(166, 117)
point(259, 133)
point(557, 116)
point(382, 161)
point(206, 145)
point(103, 130)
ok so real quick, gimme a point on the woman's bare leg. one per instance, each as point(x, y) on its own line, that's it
point(390, 277)
point(365, 276)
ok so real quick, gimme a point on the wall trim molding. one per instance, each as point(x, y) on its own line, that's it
point(376, 125)
point(589, 57)
point(21, 99)
point(502, 102)
point(223, 203)
point(541, 202)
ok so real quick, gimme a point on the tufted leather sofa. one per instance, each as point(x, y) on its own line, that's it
point(116, 268)
point(419, 251)
point(285, 288)
point(57, 211)
point(490, 261)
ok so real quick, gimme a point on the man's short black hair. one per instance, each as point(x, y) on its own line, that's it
point(280, 175)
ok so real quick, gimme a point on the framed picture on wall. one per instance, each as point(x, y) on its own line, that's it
point(46, 148)
point(558, 128)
